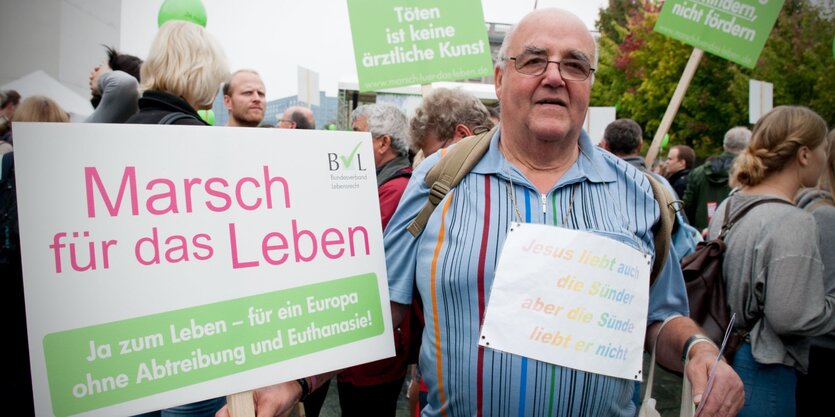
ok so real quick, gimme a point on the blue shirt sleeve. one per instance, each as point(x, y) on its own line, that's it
point(401, 247)
point(668, 295)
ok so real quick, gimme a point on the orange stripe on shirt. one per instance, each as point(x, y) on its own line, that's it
point(435, 323)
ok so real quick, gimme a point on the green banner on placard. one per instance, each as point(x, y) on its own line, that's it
point(407, 42)
point(732, 29)
point(111, 363)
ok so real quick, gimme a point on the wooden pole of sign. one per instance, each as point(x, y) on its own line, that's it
point(241, 404)
point(675, 102)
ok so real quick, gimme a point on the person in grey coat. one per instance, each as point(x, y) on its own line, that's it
point(772, 267)
point(114, 86)
point(819, 202)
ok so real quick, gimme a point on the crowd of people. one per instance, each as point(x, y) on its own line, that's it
point(541, 167)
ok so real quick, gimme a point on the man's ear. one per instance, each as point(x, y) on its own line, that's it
point(385, 143)
point(461, 131)
point(227, 101)
point(498, 73)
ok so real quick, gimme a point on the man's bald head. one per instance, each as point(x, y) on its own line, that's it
point(543, 17)
point(297, 117)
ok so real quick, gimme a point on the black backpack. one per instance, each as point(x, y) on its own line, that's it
point(9, 232)
point(705, 281)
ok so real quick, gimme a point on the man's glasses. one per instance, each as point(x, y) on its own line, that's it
point(536, 64)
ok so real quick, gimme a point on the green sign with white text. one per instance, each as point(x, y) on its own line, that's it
point(407, 42)
point(93, 367)
point(732, 29)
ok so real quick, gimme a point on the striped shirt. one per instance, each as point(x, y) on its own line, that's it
point(452, 265)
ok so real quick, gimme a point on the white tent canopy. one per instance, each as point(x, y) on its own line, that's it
point(40, 83)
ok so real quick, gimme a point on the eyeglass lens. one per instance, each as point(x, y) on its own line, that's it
point(536, 64)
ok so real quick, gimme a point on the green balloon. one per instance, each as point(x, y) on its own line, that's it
point(208, 116)
point(665, 141)
point(188, 10)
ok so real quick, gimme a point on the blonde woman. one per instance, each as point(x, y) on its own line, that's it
point(40, 109)
point(34, 109)
point(183, 73)
point(773, 269)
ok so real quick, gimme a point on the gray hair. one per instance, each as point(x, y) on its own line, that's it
point(737, 139)
point(501, 56)
point(442, 110)
point(385, 119)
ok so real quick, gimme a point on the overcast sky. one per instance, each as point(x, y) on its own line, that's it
point(275, 36)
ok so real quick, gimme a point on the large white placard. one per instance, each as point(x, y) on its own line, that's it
point(169, 264)
point(570, 298)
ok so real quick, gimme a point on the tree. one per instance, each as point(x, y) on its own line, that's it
point(797, 58)
point(639, 69)
point(614, 17)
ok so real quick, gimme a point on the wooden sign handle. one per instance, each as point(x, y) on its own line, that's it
point(241, 404)
point(675, 102)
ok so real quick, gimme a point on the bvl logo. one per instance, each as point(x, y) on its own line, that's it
point(335, 161)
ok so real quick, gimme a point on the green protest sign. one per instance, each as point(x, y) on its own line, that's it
point(733, 29)
point(97, 366)
point(399, 43)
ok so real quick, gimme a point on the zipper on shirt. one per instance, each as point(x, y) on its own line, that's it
point(544, 205)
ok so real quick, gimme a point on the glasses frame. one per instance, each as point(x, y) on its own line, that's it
point(559, 68)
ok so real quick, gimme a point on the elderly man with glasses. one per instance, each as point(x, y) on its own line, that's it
point(542, 170)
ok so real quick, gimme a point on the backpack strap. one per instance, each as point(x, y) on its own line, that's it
point(171, 118)
point(448, 172)
point(662, 235)
point(730, 221)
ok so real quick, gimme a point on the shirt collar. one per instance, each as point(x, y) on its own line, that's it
point(591, 166)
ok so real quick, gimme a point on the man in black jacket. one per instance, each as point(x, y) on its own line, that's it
point(677, 167)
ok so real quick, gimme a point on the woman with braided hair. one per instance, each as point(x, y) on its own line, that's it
point(772, 266)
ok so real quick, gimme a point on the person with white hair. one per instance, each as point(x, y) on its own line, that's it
point(184, 71)
point(444, 117)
